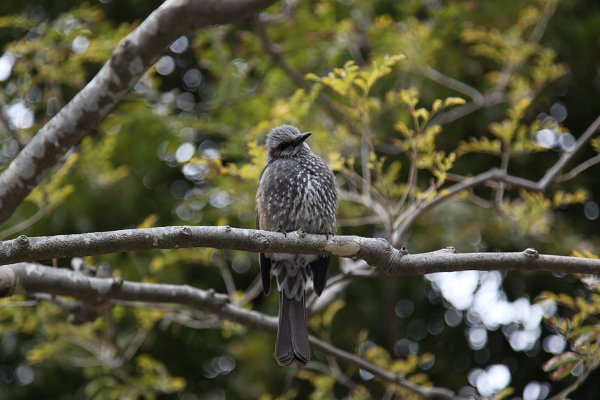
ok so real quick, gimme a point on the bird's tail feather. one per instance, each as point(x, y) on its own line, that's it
point(292, 335)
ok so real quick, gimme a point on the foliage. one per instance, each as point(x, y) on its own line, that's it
point(580, 329)
point(404, 99)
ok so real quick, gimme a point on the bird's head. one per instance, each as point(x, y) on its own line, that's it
point(286, 141)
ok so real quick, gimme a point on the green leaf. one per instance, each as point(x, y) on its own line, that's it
point(566, 358)
point(453, 101)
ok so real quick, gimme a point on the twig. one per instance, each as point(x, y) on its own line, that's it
point(253, 291)
point(338, 375)
point(112, 331)
point(452, 83)
point(580, 168)
point(380, 373)
point(227, 277)
point(445, 117)
point(496, 94)
point(568, 155)
point(499, 195)
point(510, 67)
point(491, 175)
point(369, 202)
point(23, 225)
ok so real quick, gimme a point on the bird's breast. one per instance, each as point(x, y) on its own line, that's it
point(296, 194)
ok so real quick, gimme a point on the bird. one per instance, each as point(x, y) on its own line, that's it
point(296, 190)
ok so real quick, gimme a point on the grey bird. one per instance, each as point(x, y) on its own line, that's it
point(296, 190)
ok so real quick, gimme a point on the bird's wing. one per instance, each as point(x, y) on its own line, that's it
point(320, 269)
point(265, 268)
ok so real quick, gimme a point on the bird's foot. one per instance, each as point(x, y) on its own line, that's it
point(327, 234)
point(282, 231)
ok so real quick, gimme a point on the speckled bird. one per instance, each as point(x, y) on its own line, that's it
point(297, 190)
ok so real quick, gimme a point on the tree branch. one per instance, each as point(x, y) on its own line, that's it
point(496, 176)
point(130, 60)
point(580, 168)
point(493, 175)
point(376, 252)
point(27, 278)
point(454, 84)
point(568, 155)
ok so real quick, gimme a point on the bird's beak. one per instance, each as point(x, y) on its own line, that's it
point(301, 138)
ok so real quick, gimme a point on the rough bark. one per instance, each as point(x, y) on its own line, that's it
point(376, 252)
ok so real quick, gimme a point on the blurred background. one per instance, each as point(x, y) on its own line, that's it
point(184, 147)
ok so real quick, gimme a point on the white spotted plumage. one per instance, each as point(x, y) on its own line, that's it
point(297, 190)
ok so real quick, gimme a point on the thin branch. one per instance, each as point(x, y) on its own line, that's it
point(112, 333)
point(499, 190)
point(479, 201)
point(370, 202)
point(452, 83)
point(580, 168)
point(253, 291)
point(496, 178)
point(135, 344)
point(337, 284)
point(23, 225)
point(497, 93)
point(495, 174)
point(366, 171)
point(412, 175)
point(339, 376)
point(568, 155)
point(65, 305)
point(227, 277)
point(445, 117)
point(183, 315)
point(358, 180)
point(366, 149)
point(30, 303)
point(380, 373)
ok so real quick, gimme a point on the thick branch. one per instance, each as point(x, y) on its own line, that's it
point(134, 55)
point(26, 278)
point(377, 252)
